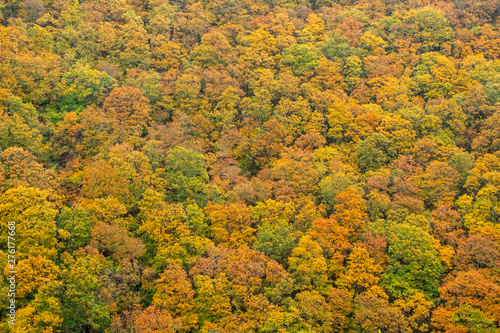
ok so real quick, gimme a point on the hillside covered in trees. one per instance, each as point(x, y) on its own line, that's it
point(239, 166)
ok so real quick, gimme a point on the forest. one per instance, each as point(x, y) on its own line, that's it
point(270, 166)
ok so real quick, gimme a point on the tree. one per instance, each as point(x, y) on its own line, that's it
point(334, 242)
point(276, 236)
point(308, 265)
point(277, 240)
point(212, 297)
point(438, 183)
point(175, 294)
point(35, 272)
point(437, 76)
point(186, 176)
point(337, 47)
point(432, 27)
point(34, 215)
point(414, 265)
point(298, 117)
point(353, 71)
point(259, 49)
point(399, 131)
point(373, 314)
point(214, 49)
point(67, 135)
point(113, 241)
point(126, 44)
point(270, 143)
point(230, 225)
point(15, 132)
point(302, 58)
point(328, 75)
point(361, 272)
point(21, 168)
point(102, 180)
point(474, 289)
point(154, 320)
point(278, 284)
point(263, 89)
point(417, 310)
point(79, 289)
point(372, 44)
point(315, 311)
point(488, 139)
point(84, 86)
point(350, 211)
point(473, 319)
point(170, 231)
point(339, 120)
point(44, 314)
point(313, 31)
point(128, 110)
point(37, 77)
point(477, 252)
point(375, 152)
point(166, 56)
point(78, 223)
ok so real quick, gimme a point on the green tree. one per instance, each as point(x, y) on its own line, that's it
point(301, 58)
point(415, 263)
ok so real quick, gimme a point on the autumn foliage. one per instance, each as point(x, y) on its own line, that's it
point(251, 166)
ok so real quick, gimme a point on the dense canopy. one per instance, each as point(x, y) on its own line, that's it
point(242, 166)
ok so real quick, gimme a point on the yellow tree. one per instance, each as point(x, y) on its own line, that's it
point(174, 293)
point(361, 272)
point(308, 266)
point(230, 225)
point(333, 239)
point(172, 232)
point(351, 211)
point(34, 216)
point(313, 31)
